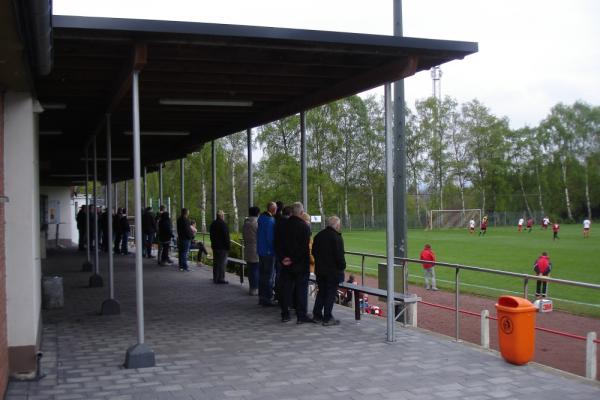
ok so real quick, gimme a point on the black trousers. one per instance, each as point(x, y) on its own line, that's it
point(294, 284)
point(541, 287)
point(325, 296)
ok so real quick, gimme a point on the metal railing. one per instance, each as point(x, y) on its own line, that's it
point(403, 261)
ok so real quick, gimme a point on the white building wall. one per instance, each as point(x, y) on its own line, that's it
point(68, 224)
point(23, 269)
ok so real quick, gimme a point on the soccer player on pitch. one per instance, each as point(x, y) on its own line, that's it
point(555, 229)
point(529, 224)
point(586, 228)
point(520, 224)
point(483, 226)
point(472, 227)
point(545, 223)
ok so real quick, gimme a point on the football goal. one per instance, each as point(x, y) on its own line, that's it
point(442, 219)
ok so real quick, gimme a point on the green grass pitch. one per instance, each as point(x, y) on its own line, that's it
point(502, 248)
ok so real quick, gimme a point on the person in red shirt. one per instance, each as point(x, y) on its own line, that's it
point(542, 266)
point(555, 229)
point(529, 224)
point(428, 267)
point(483, 226)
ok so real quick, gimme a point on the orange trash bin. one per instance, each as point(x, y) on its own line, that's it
point(516, 329)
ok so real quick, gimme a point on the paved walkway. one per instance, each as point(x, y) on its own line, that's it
point(215, 342)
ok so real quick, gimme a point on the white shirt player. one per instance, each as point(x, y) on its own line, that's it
point(586, 224)
point(546, 221)
point(521, 222)
point(472, 224)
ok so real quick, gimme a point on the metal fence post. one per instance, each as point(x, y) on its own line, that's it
point(485, 329)
point(456, 303)
point(590, 356)
point(362, 270)
point(526, 288)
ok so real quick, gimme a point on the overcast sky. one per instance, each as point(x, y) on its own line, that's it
point(532, 53)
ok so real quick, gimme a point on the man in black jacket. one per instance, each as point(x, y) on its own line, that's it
point(165, 234)
point(295, 265)
point(149, 231)
point(220, 243)
point(328, 251)
point(81, 221)
point(184, 238)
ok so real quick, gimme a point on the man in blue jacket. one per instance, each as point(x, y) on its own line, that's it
point(266, 254)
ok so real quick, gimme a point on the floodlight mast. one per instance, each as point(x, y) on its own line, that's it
point(436, 82)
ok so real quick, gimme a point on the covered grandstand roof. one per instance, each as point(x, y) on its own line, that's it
point(200, 81)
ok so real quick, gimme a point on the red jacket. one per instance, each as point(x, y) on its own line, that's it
point(542, 265)
point(555, 228)
point(427, 255)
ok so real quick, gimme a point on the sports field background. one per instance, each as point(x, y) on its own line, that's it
point(503, 248)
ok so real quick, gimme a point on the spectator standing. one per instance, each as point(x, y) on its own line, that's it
point(280, 222)
point(165, 235)
point(117, 229)
point(295, 265)
point(555, 229)
point(265, 247)
point(124, 228)
point(328, 251)
point(586, 228)
point(81, 224)
point(184, 238)
point(542, 267)
point(249, 232)
point(428, 267)
point(149, 231)
point(157, 217)
point(220, 243)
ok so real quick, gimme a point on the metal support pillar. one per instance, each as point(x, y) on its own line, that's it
point(389, 205)
point(160, 185)
point(139, 355)
point(126, 199)
point(214, 178)
point(87, 264)
point(400, 237)
point(303, 169)
point(109, 306)
point(250, 170)
point(96, 279)
point(182, 181)
point(145, 199)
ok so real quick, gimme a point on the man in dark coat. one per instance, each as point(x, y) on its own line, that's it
point(295, 265)
point(149, 231)
point(81, 221)
point(328, 251)
point(165, 234)
point(124, 228)
point(117, 230)
point(220, 243)
point(184, 238)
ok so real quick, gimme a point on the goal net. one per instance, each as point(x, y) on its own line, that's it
point(442, 219)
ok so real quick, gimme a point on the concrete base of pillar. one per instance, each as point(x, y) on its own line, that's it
point(86, 266)
point(110, 307)
point(96, 281)
point(139, 356)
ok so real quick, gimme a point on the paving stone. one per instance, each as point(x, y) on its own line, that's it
point(214, 342)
